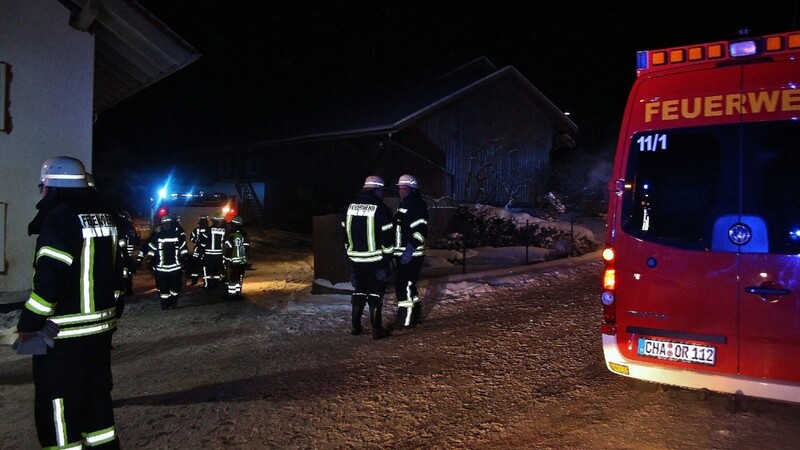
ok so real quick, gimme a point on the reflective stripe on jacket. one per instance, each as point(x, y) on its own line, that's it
point(367, 228)
point(78, 269)
point(411, 224)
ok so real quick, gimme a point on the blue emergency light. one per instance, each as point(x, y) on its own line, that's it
point(743, 48)
point(642, 60)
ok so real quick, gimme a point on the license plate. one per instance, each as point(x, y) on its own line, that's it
point(677, 351)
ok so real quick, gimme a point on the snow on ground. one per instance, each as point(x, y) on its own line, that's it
point(285, 266)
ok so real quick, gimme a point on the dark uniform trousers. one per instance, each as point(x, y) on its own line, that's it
point(169, 286)
point(73, 402)
point(235, 277)
point(213, 269)
point(367, 290)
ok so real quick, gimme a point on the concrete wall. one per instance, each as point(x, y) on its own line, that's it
point(50, 95)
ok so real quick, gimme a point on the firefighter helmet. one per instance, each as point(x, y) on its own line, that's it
point(237, 220)
point(64, 172)
point(408, 180)
point(167, 218)
point(124, 215)
point(218, 218)
point(372, 182)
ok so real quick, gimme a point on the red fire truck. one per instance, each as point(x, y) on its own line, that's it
point(702, 279)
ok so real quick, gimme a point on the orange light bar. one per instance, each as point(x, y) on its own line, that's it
point(716, 51)
point(677, 56)
point(696, 53)
point(659, 58)
point(794, 41)
point(774, 43)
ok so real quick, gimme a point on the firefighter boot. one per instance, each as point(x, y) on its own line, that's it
point(376, 321)
point(358, 311)
point(416, 314)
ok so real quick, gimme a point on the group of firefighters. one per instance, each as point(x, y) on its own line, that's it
point(374, 238)
point(219, 254)
point(83, 267)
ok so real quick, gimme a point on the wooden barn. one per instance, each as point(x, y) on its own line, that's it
point(475, 133)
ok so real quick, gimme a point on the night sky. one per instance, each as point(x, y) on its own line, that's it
point(268, 61)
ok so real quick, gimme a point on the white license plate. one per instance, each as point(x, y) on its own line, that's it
point(677, 351)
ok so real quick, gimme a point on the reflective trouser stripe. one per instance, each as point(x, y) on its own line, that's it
point(60, 428)
point(100, 437)
point(59, 423)
point(409, 305)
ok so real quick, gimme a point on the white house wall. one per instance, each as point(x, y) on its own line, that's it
point(50, 97)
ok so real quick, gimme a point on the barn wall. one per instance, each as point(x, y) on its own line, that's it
point(498, 122)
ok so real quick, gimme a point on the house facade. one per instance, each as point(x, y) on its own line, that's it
point(61, 63)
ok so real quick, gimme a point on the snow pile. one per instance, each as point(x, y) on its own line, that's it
point(523, 219)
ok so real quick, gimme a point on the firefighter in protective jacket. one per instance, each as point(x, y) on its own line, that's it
point(128, 240)
point(195, 261)
point(72, 311)
point(211, 245)
point(368, 227)
point(235, 253)
point(411, 231)
point(165, 251)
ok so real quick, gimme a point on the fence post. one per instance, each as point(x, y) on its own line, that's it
point(571, 233)
point(527, 241)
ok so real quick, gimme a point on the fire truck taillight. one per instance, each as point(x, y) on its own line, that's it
point(609, 276)
point(607, 297)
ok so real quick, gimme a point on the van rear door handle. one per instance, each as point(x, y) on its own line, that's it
point(766, 291)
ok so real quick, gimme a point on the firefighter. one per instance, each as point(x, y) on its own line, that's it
point(213, 267)
point(128, 240)
point(195, 261)
point(235, 254)
point(165, 251)
point(411, 231)
point(72, 311)
point(368, 227)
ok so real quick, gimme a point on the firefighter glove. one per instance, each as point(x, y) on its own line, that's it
point(405, 258)
point(380, 274)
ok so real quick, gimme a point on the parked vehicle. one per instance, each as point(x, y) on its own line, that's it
point(702, 279)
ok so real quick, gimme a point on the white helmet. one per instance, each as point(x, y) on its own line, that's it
point(407, 180)
point(63, 171)
point(372, 182)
